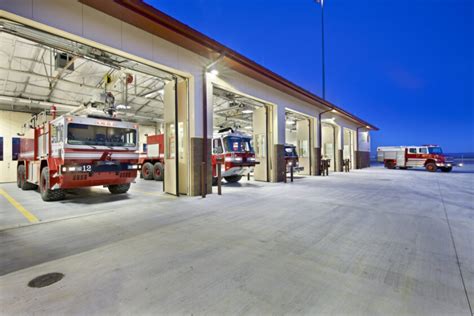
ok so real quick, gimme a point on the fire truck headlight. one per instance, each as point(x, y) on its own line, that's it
point(238, 159)
point(71, 169)
point(461, 164)
point(63, 169)
point(133, 167)
point(228, 159)
point(251, 159)
point(290, 163)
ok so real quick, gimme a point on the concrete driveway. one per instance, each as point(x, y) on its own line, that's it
point(373, 241)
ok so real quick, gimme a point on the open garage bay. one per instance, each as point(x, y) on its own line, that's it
point(373, 241)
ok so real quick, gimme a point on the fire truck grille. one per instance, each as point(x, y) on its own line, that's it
point(79, 177)
point(125, 175)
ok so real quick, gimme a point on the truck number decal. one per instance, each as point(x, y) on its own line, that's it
point(87, 168)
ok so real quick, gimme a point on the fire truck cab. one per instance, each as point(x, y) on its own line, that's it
point(74, 151)
point(234, 151)
point(430, 157)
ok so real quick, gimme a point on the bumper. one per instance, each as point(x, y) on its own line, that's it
point(445, 164)
point(84, 179)
point(237, 171)
point(295, 169)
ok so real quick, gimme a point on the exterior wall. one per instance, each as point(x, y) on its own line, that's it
point(10, 125)
point(78, 19)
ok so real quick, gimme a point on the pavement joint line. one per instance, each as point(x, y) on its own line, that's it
point(455, 250)
point(29, 216)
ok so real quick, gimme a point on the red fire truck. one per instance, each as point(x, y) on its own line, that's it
point(235, 151)
point(152, 160)
point(74, 151)
point(430, 157)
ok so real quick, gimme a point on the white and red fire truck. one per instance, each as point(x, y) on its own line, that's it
point(74, 151)
point(153, 159)
point(430, 157)
point(235, 152)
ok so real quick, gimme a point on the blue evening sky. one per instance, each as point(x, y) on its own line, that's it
point(405, 66)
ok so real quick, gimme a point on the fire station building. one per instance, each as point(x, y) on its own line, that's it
point(168, 79)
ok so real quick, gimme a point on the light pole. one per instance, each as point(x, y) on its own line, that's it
point(323, 71)
point(323, 66)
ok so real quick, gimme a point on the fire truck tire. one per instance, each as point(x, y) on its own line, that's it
point(158, 171)
point(119, 188)
point(21, 180)
point(447, 169)
point(431, 167)
point(233, 179)
point(48, 194)
point(389, 165)
point(147, 171)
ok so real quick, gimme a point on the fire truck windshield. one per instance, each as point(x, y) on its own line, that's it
point(83, 134)
point(237, 144)
point(435, 150)
point(290, 151)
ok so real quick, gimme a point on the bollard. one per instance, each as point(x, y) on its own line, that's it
point(248, 176)
point(286, 167)
point(291, 172)
point(203, 180)
point(219, 179)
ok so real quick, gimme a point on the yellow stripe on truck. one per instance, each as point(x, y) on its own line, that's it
point(30, 217)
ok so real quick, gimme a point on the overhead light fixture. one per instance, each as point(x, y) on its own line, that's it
point(153, 93)
point(123, 107)
point(289, 122)
point(6, 98)
point(214, 72)
point(333, 111)
point(248, 127)
point(247, 111)
point(368, 126)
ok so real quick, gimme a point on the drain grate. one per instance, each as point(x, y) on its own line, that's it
point(46, 279)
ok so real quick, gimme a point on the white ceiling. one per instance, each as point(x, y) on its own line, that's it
point(30, 82)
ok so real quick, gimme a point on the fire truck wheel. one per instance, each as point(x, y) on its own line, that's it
point(233, 179)
point(447, 169)
point(389, 165)
point(147, 171)
point(119, 188)
point(158, 171)
point(46, 193)
point(21, 180)
point(431, 167)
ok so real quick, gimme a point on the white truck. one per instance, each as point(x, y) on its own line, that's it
point(430, 157)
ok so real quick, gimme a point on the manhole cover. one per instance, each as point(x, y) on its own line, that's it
point(46, 279)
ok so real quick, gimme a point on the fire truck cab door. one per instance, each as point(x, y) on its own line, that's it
point(170, 122)
point(260, 143)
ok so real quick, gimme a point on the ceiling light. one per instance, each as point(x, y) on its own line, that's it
point(289, 122)
point(247, 111)
point(333, 111)
point(368, 126)
point(6, 99)
point(248, 127)
point(214, 72)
